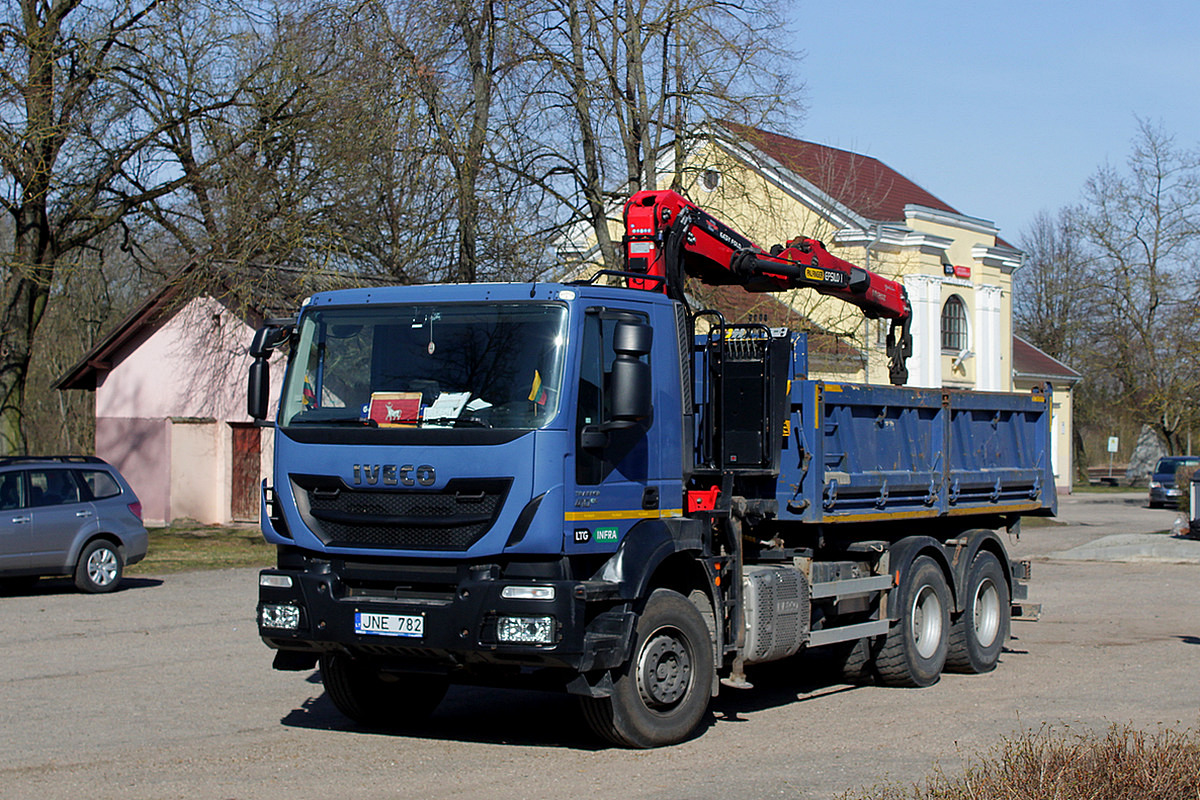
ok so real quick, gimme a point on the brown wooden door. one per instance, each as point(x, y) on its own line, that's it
point(246, 479)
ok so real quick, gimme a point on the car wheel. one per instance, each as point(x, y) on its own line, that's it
point(99, 568)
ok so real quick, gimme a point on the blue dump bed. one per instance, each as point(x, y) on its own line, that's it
point(855, 453)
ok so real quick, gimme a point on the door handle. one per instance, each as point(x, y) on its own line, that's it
point(83, 513)
point(22, 519)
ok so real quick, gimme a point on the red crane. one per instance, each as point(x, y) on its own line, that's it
point(667, 236)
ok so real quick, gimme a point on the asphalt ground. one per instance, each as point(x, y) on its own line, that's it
point(164, 690)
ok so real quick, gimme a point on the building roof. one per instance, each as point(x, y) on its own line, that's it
point(255, 292)
point(863, 184)
point(739, 306)
point(1030, 362)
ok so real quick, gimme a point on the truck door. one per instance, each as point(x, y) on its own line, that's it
point(617, 472)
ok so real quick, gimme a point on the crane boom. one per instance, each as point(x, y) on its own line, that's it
point(667, 237)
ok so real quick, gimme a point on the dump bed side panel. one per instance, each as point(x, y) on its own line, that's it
point(858, 453)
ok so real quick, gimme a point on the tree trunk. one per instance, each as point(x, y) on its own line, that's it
point(593, 190)
point(28, 288)
point(480, 37)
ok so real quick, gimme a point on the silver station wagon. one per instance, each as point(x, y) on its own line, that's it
point(68, 515)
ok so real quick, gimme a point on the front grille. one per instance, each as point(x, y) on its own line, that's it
point(452, 518)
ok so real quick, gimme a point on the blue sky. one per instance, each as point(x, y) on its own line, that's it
point(1001, 109)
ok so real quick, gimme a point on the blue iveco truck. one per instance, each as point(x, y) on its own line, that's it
point(591, 488)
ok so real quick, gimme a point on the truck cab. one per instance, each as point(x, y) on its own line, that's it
point(454, 464)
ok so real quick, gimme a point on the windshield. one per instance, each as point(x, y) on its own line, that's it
point(467, 365)
point(1166, 465)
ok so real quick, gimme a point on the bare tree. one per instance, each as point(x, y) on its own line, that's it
point(1055, 292)
point(625, 87)
point(79, 153)
point(1141, 226)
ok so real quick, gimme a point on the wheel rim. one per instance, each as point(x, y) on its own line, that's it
point(102, 567)
point(987, 612)
point(664, 668)
point(926, 621)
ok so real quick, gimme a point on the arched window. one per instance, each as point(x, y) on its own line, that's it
point(954, 325)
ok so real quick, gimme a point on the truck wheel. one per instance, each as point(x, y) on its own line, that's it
point(370, 697)
point(99, 567)
point(978, 636)
point(855, 661)
point(661, 695)
point(915, 648)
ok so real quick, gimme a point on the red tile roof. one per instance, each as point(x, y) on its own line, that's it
point(863, 184)
point(1030, 362)
point(739, 306)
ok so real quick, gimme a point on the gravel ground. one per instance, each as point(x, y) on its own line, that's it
point(163, 690)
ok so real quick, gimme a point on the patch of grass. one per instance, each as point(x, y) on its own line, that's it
point(1050, 764)
point(183, 546)
point(1099, 488)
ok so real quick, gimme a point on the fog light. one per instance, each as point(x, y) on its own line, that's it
point(275, 581)
point(284, 617)
point(525, 630)
point(527, 592)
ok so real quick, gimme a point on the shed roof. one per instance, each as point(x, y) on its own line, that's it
point(1031, 362)
point(255, 292)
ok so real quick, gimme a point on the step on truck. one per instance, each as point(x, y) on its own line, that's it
point(595, 489)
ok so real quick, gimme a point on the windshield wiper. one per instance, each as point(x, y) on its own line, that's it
point(368, 423)
point(469, 422)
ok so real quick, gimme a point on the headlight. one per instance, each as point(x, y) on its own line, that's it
point(527, 592)
point(275, 581)
point(283, 617)
point(1155, 485)
point(525, 630)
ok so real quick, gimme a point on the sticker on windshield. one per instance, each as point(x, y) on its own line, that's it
point(395, 408)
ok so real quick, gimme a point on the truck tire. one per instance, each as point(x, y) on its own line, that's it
point(979, 634)
point(914, 650)
point(369, 697)
point(855, 661)
point(99, 567)
point(661, 695)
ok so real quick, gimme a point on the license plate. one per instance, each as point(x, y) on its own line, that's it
point(389, 625)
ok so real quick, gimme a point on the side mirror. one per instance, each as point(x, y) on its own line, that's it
point(631, 385)
point(258, 393)
point(266, 339)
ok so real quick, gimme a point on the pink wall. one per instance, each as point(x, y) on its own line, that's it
point(193, 366)
point(140, 449)
point(192, 369)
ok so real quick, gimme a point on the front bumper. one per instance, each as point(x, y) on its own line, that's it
point(592, 628)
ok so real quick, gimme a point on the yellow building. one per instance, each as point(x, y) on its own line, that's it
point(956, 268)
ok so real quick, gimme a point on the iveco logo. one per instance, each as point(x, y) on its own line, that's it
point(392, 474)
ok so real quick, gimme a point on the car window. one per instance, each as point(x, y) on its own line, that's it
point(100, 483)
point(52, 487)
point(12, 491)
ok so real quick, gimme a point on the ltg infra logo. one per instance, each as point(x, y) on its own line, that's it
point(604, 535)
